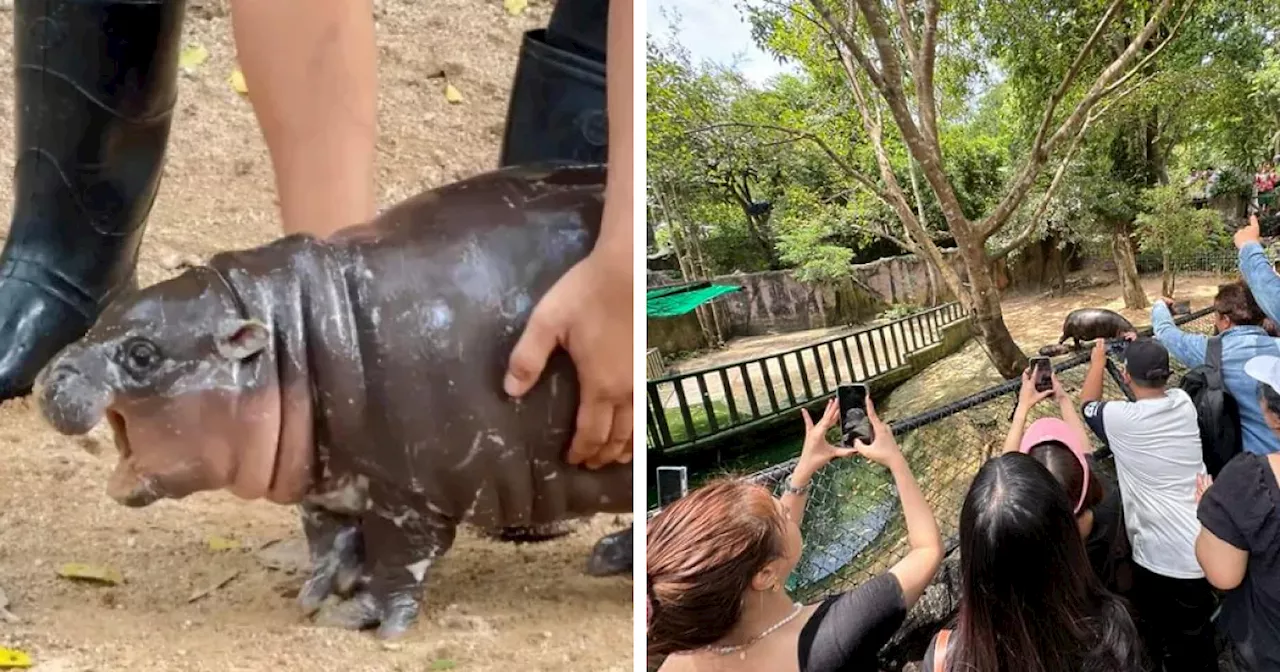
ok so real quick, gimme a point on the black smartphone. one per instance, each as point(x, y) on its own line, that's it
point(673, 483)
point(1042, 372)
point(854, 423)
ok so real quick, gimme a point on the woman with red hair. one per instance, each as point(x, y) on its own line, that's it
point(719, 557)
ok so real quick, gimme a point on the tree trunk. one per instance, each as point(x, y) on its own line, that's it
point(1166, 276)
point(1127, 267)
point(988, 317)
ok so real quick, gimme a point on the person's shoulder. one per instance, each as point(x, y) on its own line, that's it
point(1242, 472)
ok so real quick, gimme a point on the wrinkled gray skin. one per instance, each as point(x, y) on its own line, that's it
point(1087, 324)
point(361, 379)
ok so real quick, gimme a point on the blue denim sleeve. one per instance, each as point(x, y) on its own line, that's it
point(1262, 279)
point(1186, 348)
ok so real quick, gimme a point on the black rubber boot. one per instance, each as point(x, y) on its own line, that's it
point(96, 83)
point(557, 109)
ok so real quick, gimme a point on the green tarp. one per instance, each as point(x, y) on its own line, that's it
point(681, 299)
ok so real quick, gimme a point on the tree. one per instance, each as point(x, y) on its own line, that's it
point(888, 59)
point(1171, 226)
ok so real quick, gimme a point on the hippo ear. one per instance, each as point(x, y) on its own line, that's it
point(241, 339)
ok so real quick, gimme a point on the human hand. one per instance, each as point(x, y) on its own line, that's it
point(1168, 302)
point(817, 452)
point(1099, 353)
point(883, 449)
point(1203, 481)
point(1028, 396)
point(588, 313)
point(1057, 391)
point(1129, 335)
point(1248, 234)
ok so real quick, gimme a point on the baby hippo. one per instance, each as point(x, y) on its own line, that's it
point(359, 377)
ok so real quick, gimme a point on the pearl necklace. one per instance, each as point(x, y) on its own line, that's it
point(726, 650)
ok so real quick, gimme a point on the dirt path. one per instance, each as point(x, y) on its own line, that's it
point(489, 606)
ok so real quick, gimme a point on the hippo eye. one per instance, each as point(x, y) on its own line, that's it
point(141, 355)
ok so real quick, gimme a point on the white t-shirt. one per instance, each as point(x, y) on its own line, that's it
point(1156, 443)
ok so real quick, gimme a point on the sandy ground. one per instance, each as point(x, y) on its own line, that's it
point(489, 606)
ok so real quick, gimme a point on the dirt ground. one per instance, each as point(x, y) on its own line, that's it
point(1033, 319)
point(489, 606)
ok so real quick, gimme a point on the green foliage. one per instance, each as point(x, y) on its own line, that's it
point(1171, 226)
point(900, 310)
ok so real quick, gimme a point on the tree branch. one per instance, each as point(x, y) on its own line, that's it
point(850, 42)
point(1037, 145)
point(1071, 126)
point(1026, 233)
point(1149, 57)
point(908, 37)
point(923, 72)
point(840, 161)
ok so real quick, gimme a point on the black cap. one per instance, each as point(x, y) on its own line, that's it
point(1147, 361)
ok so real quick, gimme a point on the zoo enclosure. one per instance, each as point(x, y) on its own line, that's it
point(731, 396)
point(853, 527)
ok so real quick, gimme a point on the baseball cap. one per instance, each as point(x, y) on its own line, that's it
point(1264, 369)
point(1147, 360)
point(1054, 429)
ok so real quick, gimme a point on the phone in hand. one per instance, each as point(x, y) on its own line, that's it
point(1042, 373)
point(854, 423)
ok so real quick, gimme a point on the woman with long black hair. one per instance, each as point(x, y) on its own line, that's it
point(1030, 602)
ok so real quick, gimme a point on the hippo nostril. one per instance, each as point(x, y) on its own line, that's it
point(68, 400)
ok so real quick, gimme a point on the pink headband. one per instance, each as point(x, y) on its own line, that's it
point(1054, 429)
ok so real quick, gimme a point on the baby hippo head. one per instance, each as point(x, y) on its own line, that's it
point(185, 381)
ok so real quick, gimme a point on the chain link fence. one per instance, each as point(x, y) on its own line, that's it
point(853, 526)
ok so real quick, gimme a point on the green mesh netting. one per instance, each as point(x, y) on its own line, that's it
point(676, 301)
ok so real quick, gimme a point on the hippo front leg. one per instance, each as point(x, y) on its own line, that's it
point(401, 542)
point(336, 547)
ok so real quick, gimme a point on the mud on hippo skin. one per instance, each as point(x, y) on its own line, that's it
point(360, 378)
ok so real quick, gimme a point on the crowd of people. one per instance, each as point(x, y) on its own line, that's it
point(1062, 568)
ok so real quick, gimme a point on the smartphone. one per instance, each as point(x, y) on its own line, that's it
point(673, 483)
point(1042, 372)
point(854, 423)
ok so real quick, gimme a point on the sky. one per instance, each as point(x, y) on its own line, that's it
point(713, 30)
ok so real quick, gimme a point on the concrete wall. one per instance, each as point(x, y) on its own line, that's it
point(671, 335)
point(775, 302)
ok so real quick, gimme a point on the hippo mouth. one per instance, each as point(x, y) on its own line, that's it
point(126, 485)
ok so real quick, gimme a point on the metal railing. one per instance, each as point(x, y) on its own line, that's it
point(692, 407)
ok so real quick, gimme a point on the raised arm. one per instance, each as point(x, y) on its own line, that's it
point(1027, 399)
point(1257, 271)
point(1186, 348)
point(815, 455)
point(918, 567)
point(1092, 390)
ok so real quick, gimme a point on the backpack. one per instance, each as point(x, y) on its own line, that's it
point(1216, 410)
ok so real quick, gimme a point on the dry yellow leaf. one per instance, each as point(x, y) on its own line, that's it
point(75, 570)
point(192, 56)
point(515, 7)
point(237, 82)
point(222, 543)
point(452, 94)
point(13, 659)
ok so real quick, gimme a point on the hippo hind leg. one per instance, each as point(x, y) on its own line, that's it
point(336, 546)
point(401, 542)
point(612, 554)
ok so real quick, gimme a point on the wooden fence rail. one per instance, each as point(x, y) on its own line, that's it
point(691, 407)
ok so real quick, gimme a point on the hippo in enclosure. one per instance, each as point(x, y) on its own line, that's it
point(1087, 324)
point(361, 378)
